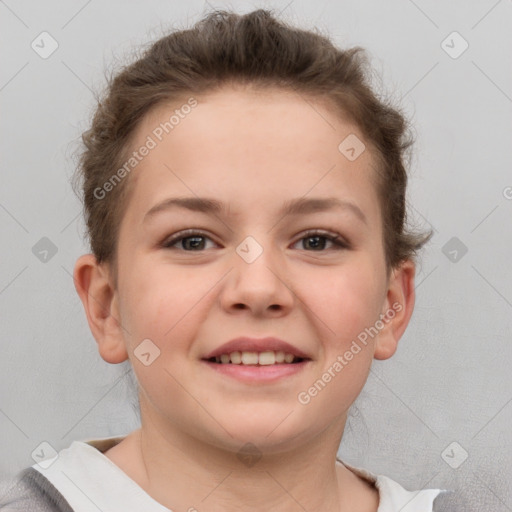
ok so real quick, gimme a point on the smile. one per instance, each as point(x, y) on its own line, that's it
point(266, 358)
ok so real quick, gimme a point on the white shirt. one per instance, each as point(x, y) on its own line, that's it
point(85, 476)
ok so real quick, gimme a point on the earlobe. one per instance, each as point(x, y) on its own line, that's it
point(99, 299)
point(397, 311)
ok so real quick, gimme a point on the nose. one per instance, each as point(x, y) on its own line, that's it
point(259, 286)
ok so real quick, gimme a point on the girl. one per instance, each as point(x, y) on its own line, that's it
point(244, 193)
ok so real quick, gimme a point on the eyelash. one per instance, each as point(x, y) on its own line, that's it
point(337, 240)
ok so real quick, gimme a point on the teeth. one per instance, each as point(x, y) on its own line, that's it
point(266, 358)
point(236, 357)
point(249, 357)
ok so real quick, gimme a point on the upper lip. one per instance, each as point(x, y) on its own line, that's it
point(246, 344)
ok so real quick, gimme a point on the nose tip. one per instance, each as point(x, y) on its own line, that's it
point(254, 283)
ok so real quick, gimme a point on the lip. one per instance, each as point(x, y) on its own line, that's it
point(246, 344)
point(258, 375)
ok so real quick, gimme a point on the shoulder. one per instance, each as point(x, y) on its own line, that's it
point(30, 490)
point(394, 497)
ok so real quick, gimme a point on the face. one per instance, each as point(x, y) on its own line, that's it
point(193, 278)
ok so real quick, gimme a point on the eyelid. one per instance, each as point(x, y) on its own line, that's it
point(186, 233)
point(331, 235)
point(339, 241)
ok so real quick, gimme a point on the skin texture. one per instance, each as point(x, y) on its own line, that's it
point(251, 149)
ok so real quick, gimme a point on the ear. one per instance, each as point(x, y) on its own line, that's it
point(99, 298)
point(397, 309)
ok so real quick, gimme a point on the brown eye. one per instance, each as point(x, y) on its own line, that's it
point(190, 241)
point(317, 241)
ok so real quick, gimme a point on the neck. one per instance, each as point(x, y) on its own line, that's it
point(183, 473)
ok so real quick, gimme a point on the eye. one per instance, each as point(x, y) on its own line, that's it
point(195, 241)
point(191, 241)
point(318, 239)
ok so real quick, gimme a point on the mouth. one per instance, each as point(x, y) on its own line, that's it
point(257, 361)
point(249, 358)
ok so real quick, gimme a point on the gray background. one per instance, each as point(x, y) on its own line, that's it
point(449, 382)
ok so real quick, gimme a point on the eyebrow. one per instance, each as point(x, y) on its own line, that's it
point(300, 206)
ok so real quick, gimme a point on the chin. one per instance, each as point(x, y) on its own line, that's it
point(268, 436)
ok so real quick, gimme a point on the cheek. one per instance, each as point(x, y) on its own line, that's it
point(166, 305)
point(162, 318)
point(344, 305)
point(344, 302)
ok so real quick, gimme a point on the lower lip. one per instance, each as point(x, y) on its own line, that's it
point(258, 374)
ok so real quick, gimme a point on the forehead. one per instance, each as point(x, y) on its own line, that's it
point(237, 144)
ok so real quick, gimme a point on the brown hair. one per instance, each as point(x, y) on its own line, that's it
point(251, 49)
